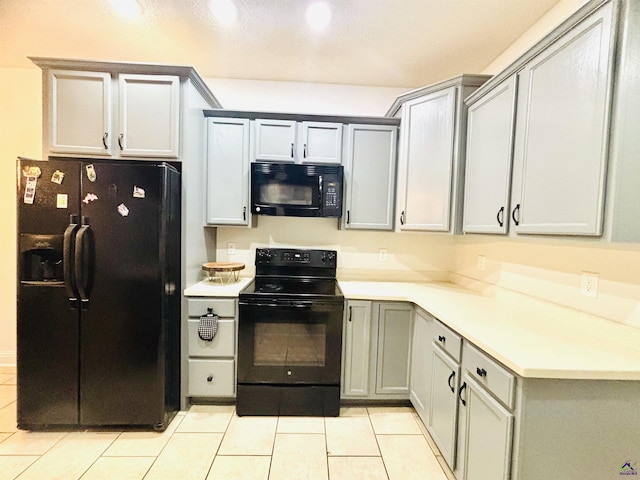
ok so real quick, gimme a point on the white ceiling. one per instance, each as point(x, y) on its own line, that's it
point(400, 43)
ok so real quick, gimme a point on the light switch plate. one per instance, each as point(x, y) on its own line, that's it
point(382, 255)
point(482, 260)
point(231, 248)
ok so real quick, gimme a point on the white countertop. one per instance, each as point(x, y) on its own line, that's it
point(210, 288)
point(530, 337)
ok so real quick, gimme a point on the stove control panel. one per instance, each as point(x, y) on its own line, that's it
point(289, 257)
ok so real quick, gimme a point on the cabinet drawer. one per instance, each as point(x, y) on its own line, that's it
point(488, 373)
point(212, 378)
point(223, 307)
point(223, 344)
point(449, 340)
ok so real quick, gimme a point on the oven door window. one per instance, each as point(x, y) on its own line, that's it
point(288, 344)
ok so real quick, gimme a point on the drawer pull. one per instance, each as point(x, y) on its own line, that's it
point(210, 378)
point(441, 338)
point(462, 388)
point(481, 372)
point(452, 376)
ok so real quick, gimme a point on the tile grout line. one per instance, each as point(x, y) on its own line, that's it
point(384, 464)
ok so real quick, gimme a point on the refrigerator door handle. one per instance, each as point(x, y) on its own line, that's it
point(68, 247)
point(83, 260)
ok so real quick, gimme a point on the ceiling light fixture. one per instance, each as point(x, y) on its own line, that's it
point(130, 9)
point(224, 11)
point(318, 16)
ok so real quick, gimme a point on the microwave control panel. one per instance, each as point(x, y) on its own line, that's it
point(331, 196)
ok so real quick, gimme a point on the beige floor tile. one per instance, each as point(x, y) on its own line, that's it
point(240, 468)
point(4, 436)
point(7, 395)
point(207, 418)
point(408, 457)
point(8, 418)
point(187, 456)
point(423, 429)
point(299, 456)
point(30, 443)
point(119, 468)
point(70, 457)
point(353, 412)
point(360, 468)
point(142, 444)
point(351, 436)
point(9, 369)
point(393, 420)
point(300, 425)
point(12, 466)
point(249, 436)
point(7, 379)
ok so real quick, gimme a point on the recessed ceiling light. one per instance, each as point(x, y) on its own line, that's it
point(224, 11)
point(318, 16)
point(130, 9)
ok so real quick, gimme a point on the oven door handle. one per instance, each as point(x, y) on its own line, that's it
point(293, 304)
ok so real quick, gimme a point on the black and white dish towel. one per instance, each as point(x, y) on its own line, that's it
point(208, 326)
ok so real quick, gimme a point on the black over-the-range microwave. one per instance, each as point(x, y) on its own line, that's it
point(296, 190)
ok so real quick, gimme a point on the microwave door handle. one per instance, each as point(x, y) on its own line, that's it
point(320, 191)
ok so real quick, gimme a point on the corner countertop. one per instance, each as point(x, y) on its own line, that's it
point(533, 338)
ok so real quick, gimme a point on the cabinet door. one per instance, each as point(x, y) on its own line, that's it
point(356, 349)
point(428, 125)
point(490, 124)
point(421, 353)
point(149, 115)
point(227, 171)
point(321, 142)
point(79, 116)
point(562, 132)
point(487, 430)
point(275, 140)
point(443, 407)
point(395, 327)
point(370, 177)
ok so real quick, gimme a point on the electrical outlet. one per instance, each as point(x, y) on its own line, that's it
point(382, 255)
point(589, 284)
point(482, 260)
point(231, 248)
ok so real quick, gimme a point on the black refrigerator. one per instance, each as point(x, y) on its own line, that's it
point(98, 293)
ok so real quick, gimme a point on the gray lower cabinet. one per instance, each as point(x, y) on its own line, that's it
point(443, 407)
point(228, 141)
point(212, 364)
point(421, 358)
point(376, 350)
point(370, 176)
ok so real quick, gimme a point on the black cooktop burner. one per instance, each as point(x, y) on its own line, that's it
point(292, 286)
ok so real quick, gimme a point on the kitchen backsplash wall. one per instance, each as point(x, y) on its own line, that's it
point(409, 256)
point(551, 269)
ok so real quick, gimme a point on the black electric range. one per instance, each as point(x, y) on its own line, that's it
point(290, 335)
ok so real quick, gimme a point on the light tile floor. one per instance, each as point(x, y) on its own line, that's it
point(209, 442)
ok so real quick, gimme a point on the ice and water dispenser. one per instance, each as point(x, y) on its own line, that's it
point(41, 258)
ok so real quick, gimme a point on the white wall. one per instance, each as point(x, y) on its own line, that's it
point(20, 135)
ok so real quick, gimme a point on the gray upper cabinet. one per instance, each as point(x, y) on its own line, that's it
point(370, 177)
point(228, 171)
point(149, 115)
point(86, 130)
point(275, 140)
point(561, 140)
point(321, 142)
point(81, 118)
point(490, 124)
point(281, 140)
point(432, 145)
